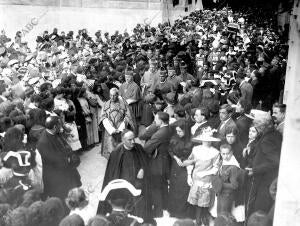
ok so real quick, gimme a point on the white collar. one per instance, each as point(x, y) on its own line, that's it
point(231, 162)
point(126, 147)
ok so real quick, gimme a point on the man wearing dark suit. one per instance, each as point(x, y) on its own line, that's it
point(226, 121)
point(201, 115)
point(245, 87)
point(157, 148)
point(214, 118)
point(279, 116)
point(59, 163)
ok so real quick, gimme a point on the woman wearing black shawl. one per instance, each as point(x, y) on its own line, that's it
point(180, 148)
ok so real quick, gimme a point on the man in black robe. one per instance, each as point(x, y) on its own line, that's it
point(129, 162)
point(59, 162)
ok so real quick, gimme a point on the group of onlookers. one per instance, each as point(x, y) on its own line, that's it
point(204, 97)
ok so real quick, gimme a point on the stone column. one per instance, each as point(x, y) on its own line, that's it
point(287, 209)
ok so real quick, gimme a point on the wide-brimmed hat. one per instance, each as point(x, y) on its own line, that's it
point(206, 135)
point(260, 118)
point(119, 184)
point(257, 114)
point(208, 83)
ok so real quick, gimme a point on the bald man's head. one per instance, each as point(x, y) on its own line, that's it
point(114, 94)
point(128, 139)
point(53, 123)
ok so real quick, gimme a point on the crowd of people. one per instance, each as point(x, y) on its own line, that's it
point(204, 97)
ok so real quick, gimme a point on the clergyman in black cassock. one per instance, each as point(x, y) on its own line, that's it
point(129, 162)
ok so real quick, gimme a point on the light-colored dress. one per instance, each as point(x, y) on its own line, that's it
point(206, 164)
point(73, 136)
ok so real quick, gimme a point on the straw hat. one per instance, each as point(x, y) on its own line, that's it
point(258, 115)
point(206, 135)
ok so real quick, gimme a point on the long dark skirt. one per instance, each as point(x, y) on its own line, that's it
point(259, 196)
point(82, 131)
point(178, 193)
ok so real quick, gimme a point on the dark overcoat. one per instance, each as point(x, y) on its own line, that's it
point(157, 147)
point(243, 124)
point(265, 170)
point(59, 174)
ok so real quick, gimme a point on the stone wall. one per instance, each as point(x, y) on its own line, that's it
point(32, 17)
point(33, 20)
point(136, 4)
